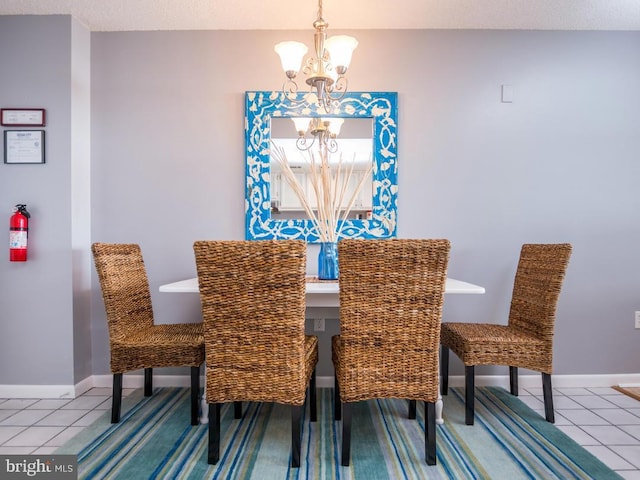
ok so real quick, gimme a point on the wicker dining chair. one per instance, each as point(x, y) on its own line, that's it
point(135, 341)
point(391, 299)
point(253, 310)
point(527, 340)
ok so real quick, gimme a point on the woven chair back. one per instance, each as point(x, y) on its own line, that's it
point(253, 311)
point(125, 288)
point(391, 299)
point(538, 280)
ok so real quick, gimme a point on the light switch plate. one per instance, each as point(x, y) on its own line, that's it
point(507, 93)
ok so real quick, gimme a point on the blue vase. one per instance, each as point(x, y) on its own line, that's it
point(328, 261)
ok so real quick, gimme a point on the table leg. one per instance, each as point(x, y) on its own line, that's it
point(439, 404)
point(439, 419)
point(204, 406)
point(204, 410)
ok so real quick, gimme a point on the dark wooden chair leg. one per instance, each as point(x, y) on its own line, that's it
point(548, 398)
point(513, 380)
point(313, 406)
point(116, 399)
point(296, 440)
point(412, 410)
point(444, 370)
point(469, 386)
point(148, 382)
point(337, 405)
point(214, 434)
point(430, 432)
point(346, 434)
point(195, 392)
point(237, 410)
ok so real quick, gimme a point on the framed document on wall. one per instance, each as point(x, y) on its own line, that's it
point(22, 117)
point(24, 146)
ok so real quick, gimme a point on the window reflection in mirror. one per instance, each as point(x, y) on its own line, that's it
point(354, 143)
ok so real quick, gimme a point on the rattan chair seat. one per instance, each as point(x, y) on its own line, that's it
point(258, 379)
point(163, 345)
point(490, 344)
point(385, 373)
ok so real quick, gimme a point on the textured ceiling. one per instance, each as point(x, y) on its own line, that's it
point(114, 15)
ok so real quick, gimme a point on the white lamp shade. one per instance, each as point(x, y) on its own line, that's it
point(291, 55)
point(334, 125)
point(340, 49)
point(301, 123)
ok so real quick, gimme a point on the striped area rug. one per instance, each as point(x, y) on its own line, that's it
point(508, 441)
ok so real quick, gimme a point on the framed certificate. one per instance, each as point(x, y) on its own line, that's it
point(22, 117)
point(24, 146)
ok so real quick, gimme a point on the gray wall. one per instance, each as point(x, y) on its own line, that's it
point(81, 198)
point(37, 297)
point(558, 164)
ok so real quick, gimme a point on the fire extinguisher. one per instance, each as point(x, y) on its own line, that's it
point(18, 232)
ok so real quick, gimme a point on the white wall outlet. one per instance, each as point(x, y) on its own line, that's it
point(637, 319)
point(507, 93)
point(318, 324)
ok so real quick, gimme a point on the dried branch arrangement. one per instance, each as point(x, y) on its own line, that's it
point(330, 184)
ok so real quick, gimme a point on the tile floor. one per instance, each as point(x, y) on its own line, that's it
point(602, 420)
point(40, 426)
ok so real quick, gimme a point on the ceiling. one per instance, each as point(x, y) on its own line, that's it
point(119, 15)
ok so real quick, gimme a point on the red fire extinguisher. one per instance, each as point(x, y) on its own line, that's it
point(18, 232)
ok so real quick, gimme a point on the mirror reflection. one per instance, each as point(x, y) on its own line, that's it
point(348, 140)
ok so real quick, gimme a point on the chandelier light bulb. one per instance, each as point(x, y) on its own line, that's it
point(340, 48)
point(301, 123)
point(335, 124)
point(291, 55)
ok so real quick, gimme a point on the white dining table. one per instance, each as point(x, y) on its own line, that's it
point(323, 294)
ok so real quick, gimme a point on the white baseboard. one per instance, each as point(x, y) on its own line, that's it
point(558, 381)
point(84, 385)
point(37, 391)
point(137, 381)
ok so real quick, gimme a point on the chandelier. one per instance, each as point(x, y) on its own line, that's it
point(325, 69)
point(322, 130)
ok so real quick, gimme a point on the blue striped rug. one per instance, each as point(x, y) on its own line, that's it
point(508, 441)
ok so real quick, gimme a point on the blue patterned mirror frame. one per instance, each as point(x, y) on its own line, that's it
point(261, 106)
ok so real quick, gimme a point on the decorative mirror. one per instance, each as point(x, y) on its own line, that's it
point(373, 112)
